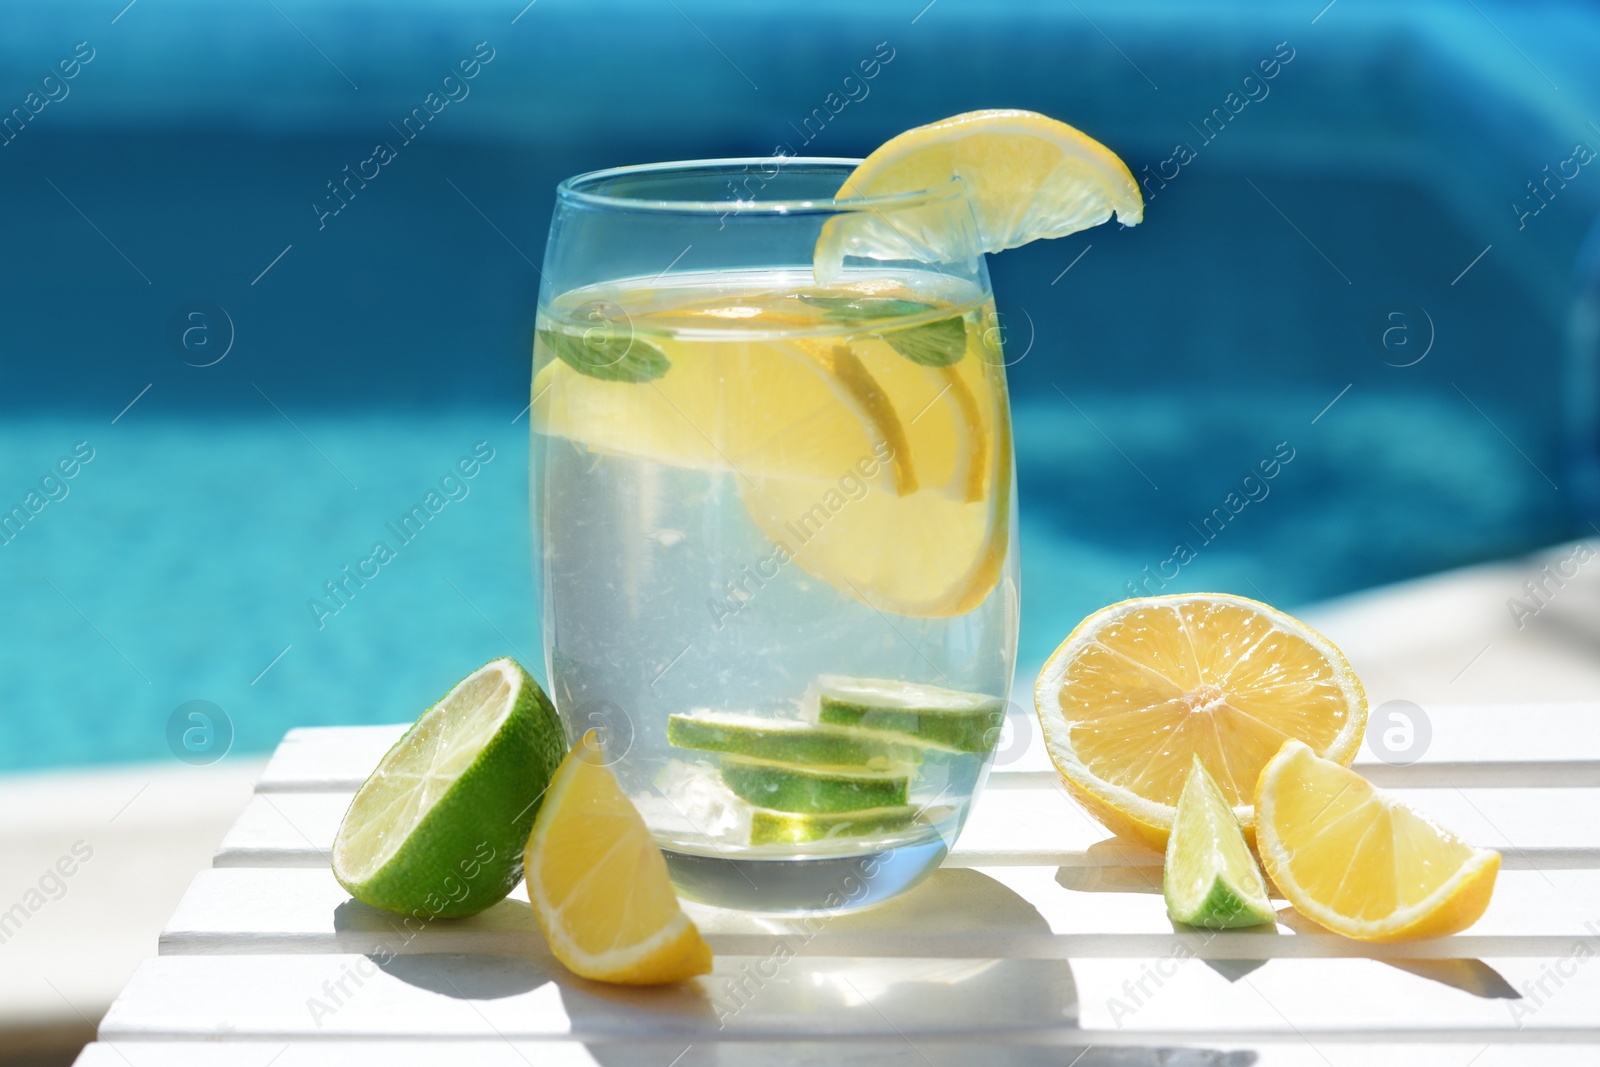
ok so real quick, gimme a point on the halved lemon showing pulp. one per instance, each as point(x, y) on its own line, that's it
point(1142, 687)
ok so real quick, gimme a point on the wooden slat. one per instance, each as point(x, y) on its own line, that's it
point(284, 830)
point(500, 1052)
point(1040, 825)
point(335, 758)
point(1010, 912)
point(1096, 1001)
point(529, 995)
point(1058, 946)
point(1534, 745)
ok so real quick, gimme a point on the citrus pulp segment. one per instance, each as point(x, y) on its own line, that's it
point(1210, 879)
point(599, 885)
point(933, 553)
point(814, 790)
point(1357, 861)
point(1027, 177)
point(790, 740)
point(1142, 686)
point(966, 722)
point(765, 408)
point(438, 828)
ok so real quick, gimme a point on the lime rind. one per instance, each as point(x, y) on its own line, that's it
point(961, 721)
point(814, 790)
point(791, 741)
point(1210, 878)
point(438, 829)
point(772, 827)
point(1225, 908)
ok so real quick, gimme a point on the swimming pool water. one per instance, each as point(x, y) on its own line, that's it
point(1158, 369)
point(184, 560)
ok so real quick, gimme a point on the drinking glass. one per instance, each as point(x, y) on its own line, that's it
point(774, 518)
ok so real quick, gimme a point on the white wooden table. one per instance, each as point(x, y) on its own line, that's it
point(1042, 940)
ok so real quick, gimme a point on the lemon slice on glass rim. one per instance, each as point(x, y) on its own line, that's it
point(1027, 177)
point(1024, 177)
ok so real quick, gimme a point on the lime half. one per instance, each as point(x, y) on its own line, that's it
point(1211, 879)
point(439, 828)
point(814, 790)
point(792, 741)
point(967, 722)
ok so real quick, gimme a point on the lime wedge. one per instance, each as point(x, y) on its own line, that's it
point(439, 828)
point(813, 790)
point(967, 722)
point(791, 741)
point(769, 827)
point(1211, 879)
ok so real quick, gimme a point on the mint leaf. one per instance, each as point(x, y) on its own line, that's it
point(614, 359)
point(856, 309)
point(932, 344)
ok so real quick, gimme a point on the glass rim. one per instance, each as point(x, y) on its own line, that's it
point(572, 189)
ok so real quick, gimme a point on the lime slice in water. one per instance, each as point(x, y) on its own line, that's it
point(769, 827)
point(438, 830)
point(791, 741)
point(813, 790)
point(1211, 879)
point(967, 722)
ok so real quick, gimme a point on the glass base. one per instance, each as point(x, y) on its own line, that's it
point(804, 885)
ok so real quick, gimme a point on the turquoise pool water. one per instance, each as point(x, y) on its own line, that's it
point(1246, 326)
point(184, 561)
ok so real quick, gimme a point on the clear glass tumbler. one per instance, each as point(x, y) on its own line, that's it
point(774, 510)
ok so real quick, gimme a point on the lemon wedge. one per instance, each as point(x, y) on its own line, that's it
point(599, 884)
point(1360, 863)
point(1027, 178)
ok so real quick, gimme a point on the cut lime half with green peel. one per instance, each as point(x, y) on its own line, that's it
point(1211, 879)
point(439, 828)
point(814, 790)
point(791, 741)
point(769, 827)
point(966, 722)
